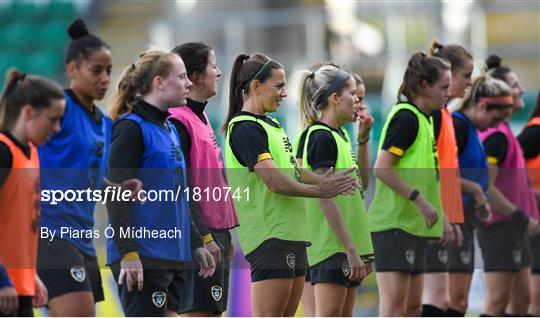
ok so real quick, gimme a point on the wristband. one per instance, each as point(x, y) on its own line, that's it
point(207, 238)
point(520, 218)
point(130, 256)
point(363, 142)
point(414, 194)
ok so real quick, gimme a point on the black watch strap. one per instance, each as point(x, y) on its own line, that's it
point(414, 195)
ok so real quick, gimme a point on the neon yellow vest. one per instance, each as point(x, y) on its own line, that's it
point(418, 168)
point(324, 242)
point(267, 214)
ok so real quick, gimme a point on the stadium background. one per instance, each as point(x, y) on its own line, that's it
point(372, 38)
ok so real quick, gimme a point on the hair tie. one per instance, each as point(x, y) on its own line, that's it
point(311, 75)
point(20, 78)
point(132, 66)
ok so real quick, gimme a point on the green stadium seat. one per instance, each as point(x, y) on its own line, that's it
point(53, 35)
point(44, 63)
point(62, 11)
point(19, 36)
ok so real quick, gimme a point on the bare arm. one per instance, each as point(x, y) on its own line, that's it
point(328, 187)
point(384, 171)
point(496, 198)
point(362, 161)
point(365, 122)
point(333, 215)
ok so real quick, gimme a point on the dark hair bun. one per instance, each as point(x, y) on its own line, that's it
point(493, 61)
point(78, 29)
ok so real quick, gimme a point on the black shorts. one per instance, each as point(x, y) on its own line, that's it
point(436, 257)
point(25, 308)
point(398, 251)
point(334, 269)
point(210, 294)
point(462, 258)
point(504, 247)
point(64, 269)
point(276, 258)
point(535, 253)
point(162, 289)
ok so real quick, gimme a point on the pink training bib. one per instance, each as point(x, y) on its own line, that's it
point(512, 179)
point(207, 172)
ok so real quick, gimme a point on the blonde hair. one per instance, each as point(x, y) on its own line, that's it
point(484, 86)
point(316, 87)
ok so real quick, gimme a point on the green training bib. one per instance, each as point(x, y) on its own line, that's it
point(418, 168)
point(324, 242)
point(267, 214)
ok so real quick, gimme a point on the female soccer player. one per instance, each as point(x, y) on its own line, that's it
point(341, 243)
point(31, 108)
point(259, 156)
point(406, 210)
point(206, 297)
point(75, 159)
point(486, 104)
point(435, 298)
point(505, 240)
point(146, 146)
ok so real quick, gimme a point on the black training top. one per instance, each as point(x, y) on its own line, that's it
point(249, 140)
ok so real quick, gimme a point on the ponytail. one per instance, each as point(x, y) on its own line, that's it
point(316, 87)
point(457, 55)
point(21, 90)
point(235, 90)
point(308, 114)
point(246, 69)
point(420, 68)
point(136, 80)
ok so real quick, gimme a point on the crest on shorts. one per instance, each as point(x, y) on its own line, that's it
point(409, 255)
point(516, 255)
point(465, 257)
point(78, 273)
point(443, 255)
point(291, 260)
point(159, 299)
point(216, 292)
point(345, 268)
